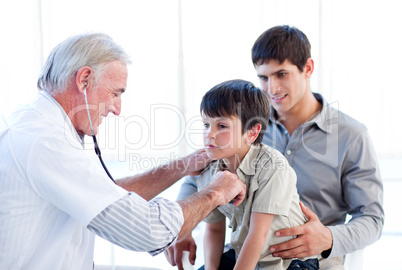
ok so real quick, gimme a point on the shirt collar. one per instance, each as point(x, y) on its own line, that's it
point(324, 119)
point(248, 164)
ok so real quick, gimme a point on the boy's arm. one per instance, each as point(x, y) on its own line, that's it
point(260, 223)
point(214, 241)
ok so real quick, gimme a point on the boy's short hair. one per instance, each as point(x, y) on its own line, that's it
point(241, 99)
point(282, 43)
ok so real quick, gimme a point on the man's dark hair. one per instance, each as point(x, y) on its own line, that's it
point(282, 43)
point(241, 99)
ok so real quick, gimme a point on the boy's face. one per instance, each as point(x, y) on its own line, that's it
point(284, 84)
point(223, 138)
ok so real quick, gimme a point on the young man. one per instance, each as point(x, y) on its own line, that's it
point(235, 116)
point(331, 153)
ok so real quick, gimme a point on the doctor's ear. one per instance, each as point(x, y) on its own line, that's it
point(83, 78)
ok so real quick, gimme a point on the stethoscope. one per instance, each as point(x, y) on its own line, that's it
point(97, 150)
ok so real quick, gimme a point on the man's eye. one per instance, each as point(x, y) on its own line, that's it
point(206, 125)
point(222, 126)
point(263, 78)
point(282, 74)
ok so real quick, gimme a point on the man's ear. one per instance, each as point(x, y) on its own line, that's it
point(253, 133)
point(83, 78)
point(309, 67)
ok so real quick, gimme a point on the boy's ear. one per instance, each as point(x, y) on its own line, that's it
point(253, 133)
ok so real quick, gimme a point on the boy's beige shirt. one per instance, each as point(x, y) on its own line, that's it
point(271, 189)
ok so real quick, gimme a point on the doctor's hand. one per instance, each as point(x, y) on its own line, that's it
point(228, 188)
point(195, 163)
point(174, 254)
point(312, 238)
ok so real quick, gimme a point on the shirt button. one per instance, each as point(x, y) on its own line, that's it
point(288, 152)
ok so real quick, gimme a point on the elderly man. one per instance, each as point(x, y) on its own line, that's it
point(54, 196)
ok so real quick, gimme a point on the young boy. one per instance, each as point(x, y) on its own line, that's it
point(235, 115)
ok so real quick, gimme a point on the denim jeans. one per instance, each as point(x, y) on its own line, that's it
point(310, 264)
point(228, 261)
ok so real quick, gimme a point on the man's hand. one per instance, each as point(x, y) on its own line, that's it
point(174, 253)
point(223, 188)
point(312, 238)
point(228, 188)
point(195, 163)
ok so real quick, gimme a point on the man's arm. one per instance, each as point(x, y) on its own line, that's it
point(131, 222)
point(260, 223)
point(189, 187)
point(214, 242)
point(152, 182)
point(223, 188)
point(174, 254)
point(363, 195)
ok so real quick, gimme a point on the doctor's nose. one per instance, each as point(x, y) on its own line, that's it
point(115, 108)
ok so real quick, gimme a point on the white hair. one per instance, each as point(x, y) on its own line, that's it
point(95, 50)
